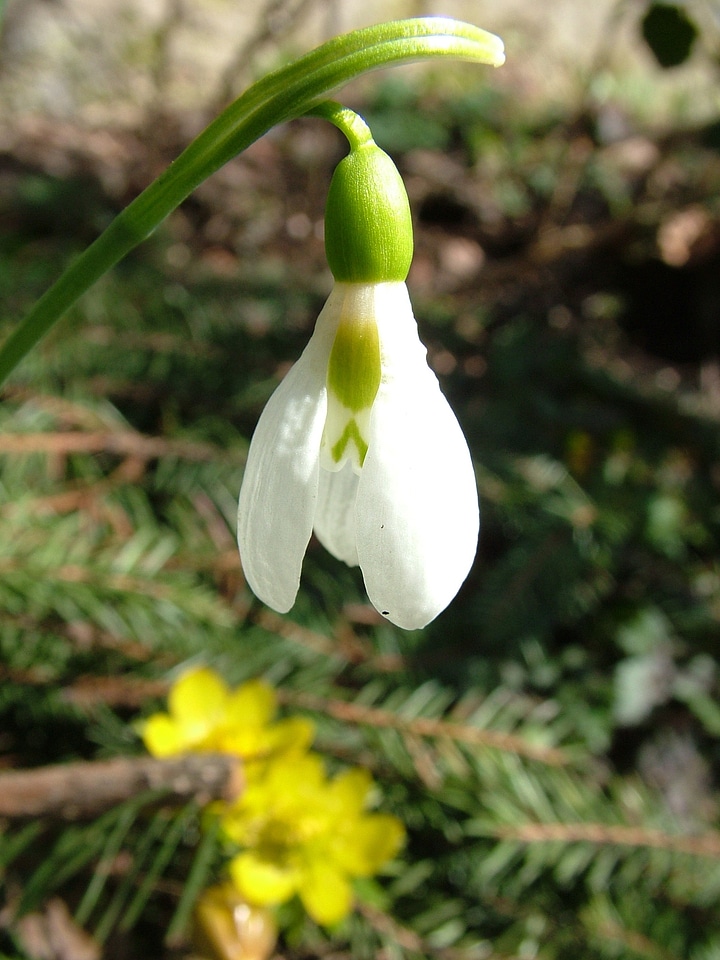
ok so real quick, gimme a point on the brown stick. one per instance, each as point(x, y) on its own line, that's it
point(696, 844)
point(79, 791)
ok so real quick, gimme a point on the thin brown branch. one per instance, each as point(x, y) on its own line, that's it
point(123, 691)
point(83, 790)
point(428, 727)
point(121, 442)
point(698, 845)
point(51, 933)
point(274, 623)
point(388, 927)
point(346, 644)
point(120, 582)
point(632, 940)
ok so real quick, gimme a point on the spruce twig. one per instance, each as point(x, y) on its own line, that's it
point(428, 727)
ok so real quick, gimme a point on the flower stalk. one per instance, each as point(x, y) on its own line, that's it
point(283, 95)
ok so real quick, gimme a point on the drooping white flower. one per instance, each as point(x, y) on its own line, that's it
point(358, 443)
point(398, 497)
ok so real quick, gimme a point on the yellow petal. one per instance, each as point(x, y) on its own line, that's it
point(161, 736)
point(248, 742)
point(367, 844)
point(250, 738)
point(325, 893)
point(296, 778)
point(350, 790)
point(294, 733)
point(261, 881)
point(252, 704)
point(197, 701)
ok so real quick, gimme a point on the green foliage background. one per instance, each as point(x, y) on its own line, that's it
point(551, 741)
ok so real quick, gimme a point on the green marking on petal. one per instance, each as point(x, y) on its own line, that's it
point(350, 433)
point(354, 366)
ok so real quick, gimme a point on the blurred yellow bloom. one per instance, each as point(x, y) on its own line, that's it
point(204, 714)
point(302, 833)
point(298, 832)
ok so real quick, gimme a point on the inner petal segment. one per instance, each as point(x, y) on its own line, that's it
point(353, 378)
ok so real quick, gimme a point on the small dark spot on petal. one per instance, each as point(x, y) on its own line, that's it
point(385, 613)
point(382, 526)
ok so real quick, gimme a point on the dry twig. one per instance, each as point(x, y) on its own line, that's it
point(83, 790)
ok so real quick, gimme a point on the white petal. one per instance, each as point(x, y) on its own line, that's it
point(279, 489)
point(335, 512)
point(417, 506)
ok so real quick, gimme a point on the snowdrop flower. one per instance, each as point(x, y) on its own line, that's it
point(358, 444)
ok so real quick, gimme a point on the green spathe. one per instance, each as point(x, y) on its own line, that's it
point(368, 227)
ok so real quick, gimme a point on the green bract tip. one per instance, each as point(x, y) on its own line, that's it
point(368, 227)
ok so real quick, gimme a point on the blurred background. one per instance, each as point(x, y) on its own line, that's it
point(552, 739)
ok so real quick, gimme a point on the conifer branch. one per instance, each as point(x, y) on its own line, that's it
point(429, 727)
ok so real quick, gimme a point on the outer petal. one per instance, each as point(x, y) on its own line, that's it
point(262, 880)
point(325, 892)
point(417, 506)
point(252, 704)
point(279, 490)
point(197, 704)
point(162, 735)
point(373, 840)
point(198, 700)
point(291, 735)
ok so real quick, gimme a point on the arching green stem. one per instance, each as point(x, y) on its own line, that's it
point(281, 96)
point(356, 131)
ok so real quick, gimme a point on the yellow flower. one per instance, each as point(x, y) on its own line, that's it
point(204, 714)
point(302, 833)
point(298, 832)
